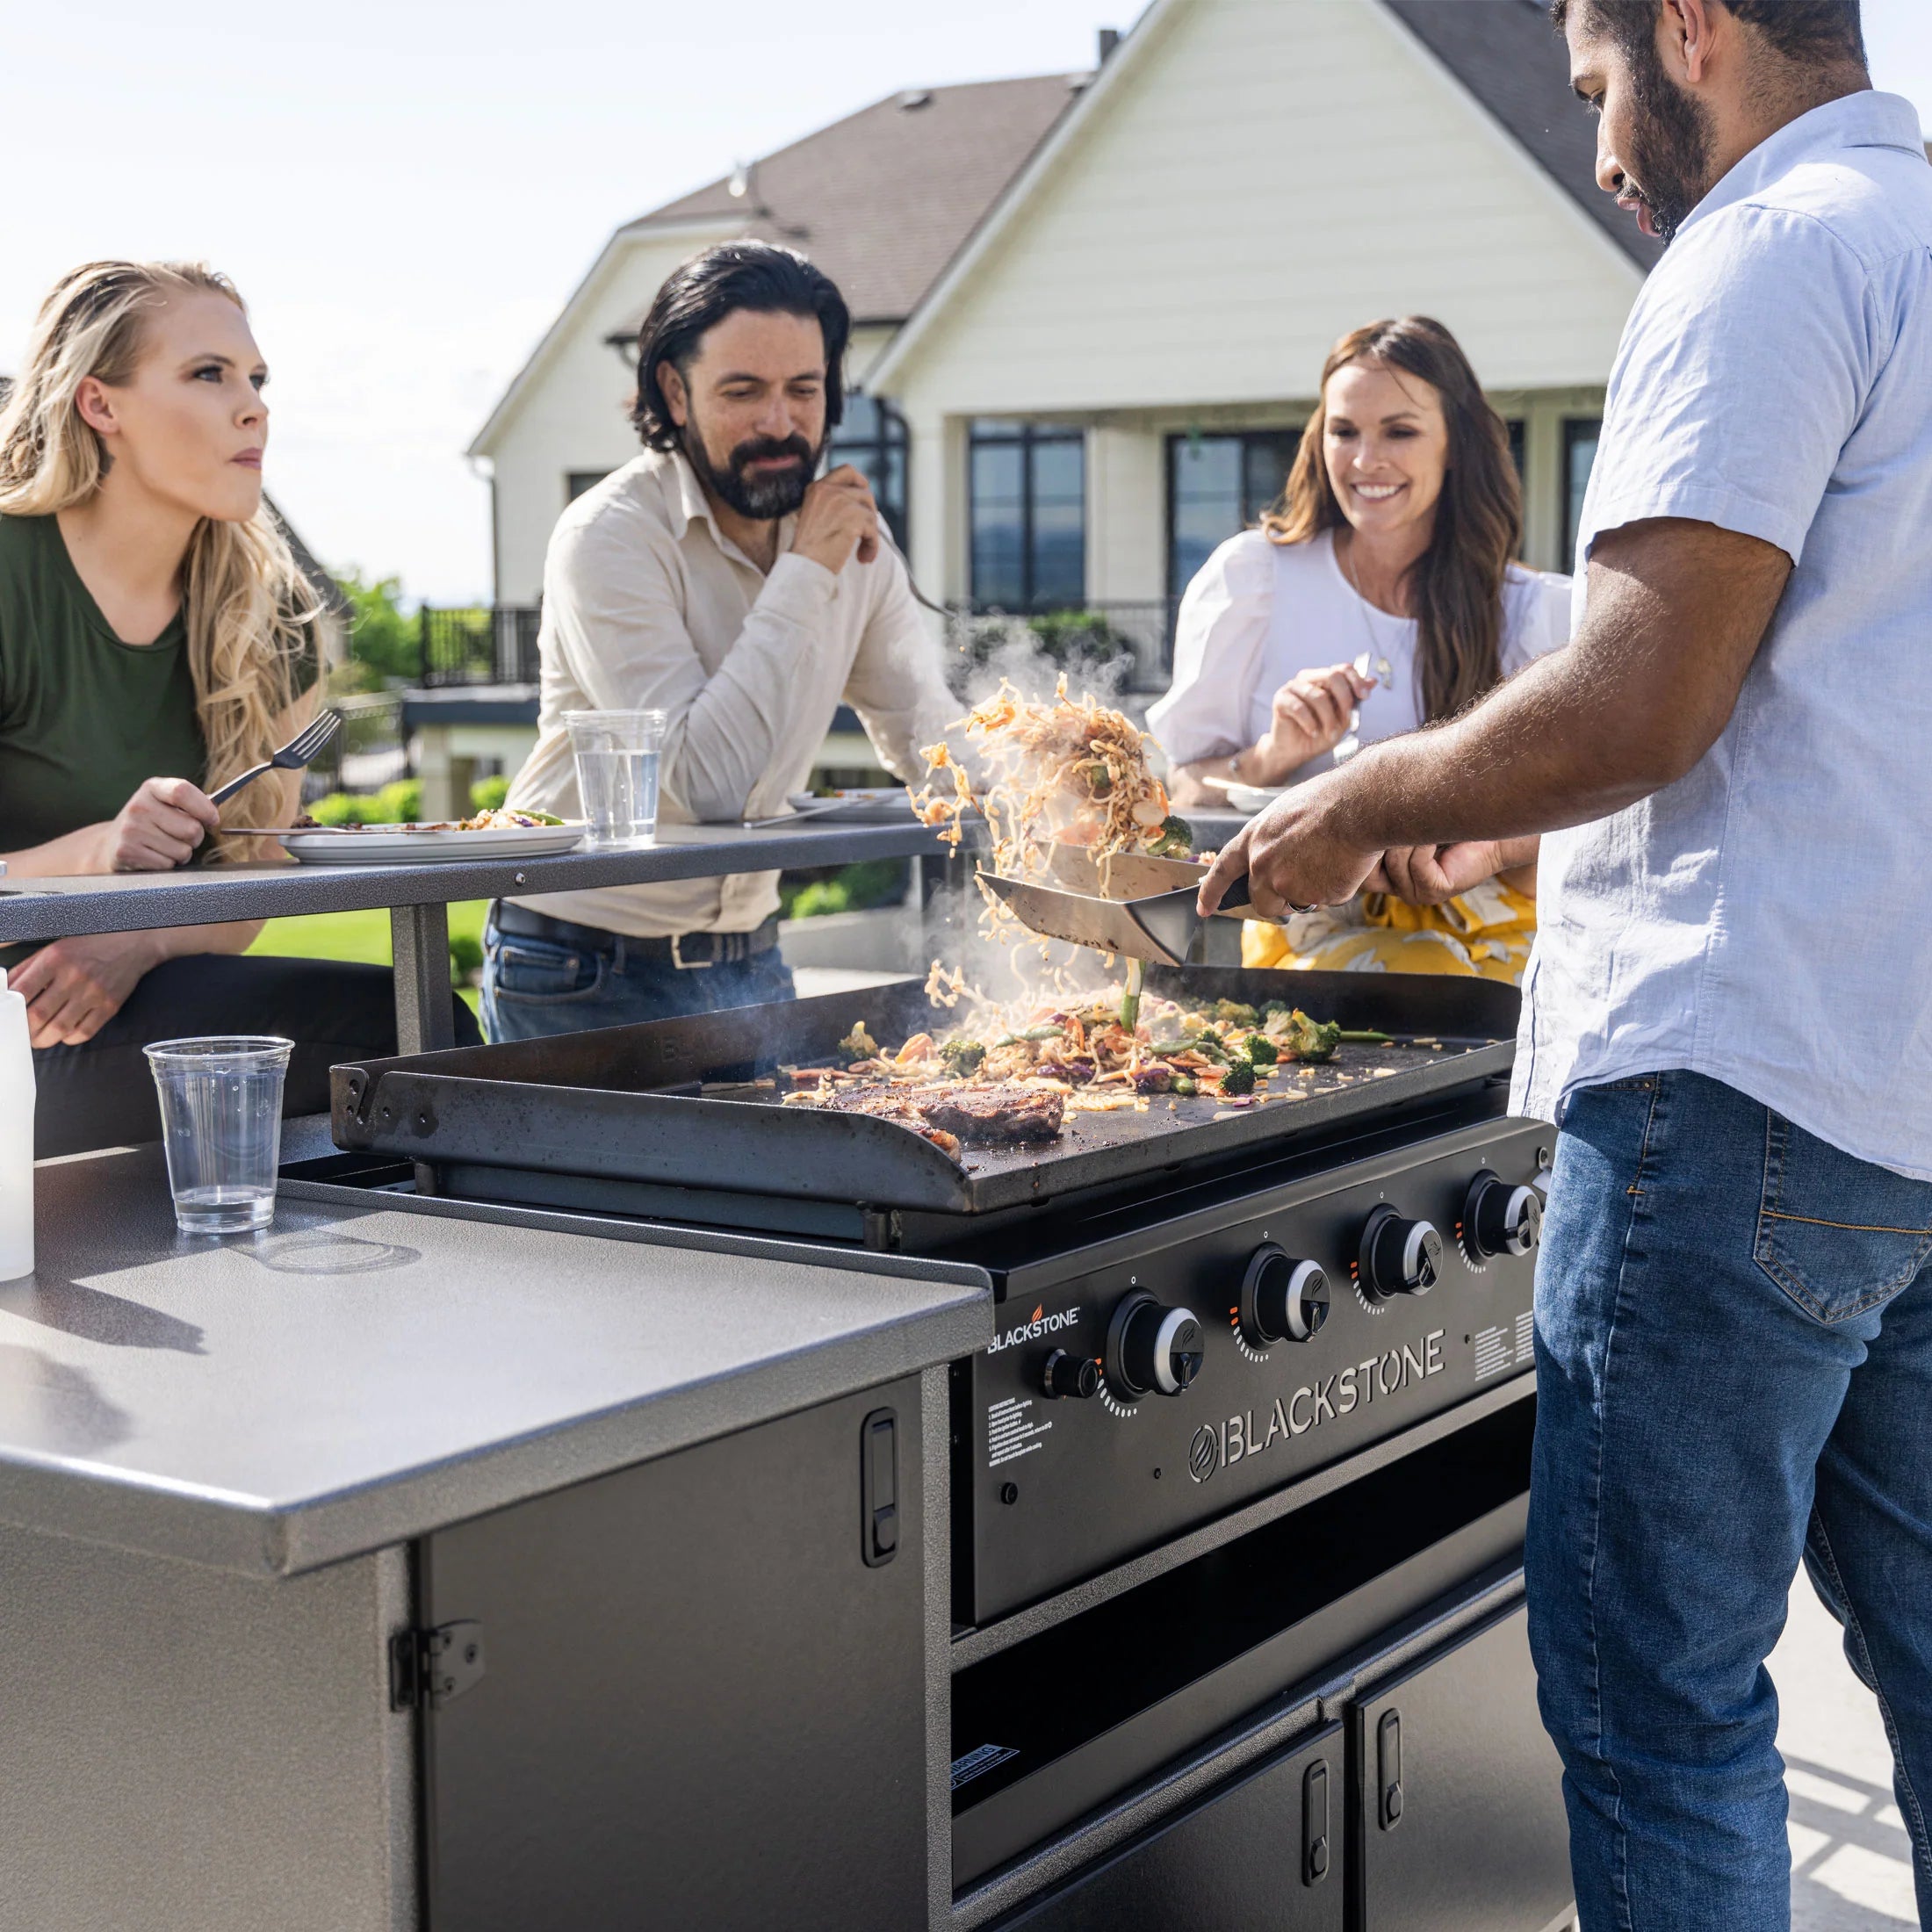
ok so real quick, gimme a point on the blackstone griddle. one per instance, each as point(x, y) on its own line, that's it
point(662, 1119)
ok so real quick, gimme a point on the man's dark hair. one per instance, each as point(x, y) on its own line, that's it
point(758, 276)
point(1800, 30)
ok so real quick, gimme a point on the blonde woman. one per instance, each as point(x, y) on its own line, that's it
point(156, 639)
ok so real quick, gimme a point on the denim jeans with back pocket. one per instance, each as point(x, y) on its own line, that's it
point(1734, 1325)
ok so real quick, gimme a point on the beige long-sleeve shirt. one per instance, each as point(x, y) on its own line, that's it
point(647, 603)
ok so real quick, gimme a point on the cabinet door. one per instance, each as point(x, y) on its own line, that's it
point(1458, 1823)
point(702, 1705)
point(1262, 1853)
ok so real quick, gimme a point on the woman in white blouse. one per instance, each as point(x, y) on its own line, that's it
point(1380, 594)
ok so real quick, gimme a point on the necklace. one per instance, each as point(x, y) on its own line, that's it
point(1384, 671)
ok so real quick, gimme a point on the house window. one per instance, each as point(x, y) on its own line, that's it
point(577, 482)
point(1028, 489)
point(873, 438)
point(1518, 444)
point(1580, 437)
point(1218, 485)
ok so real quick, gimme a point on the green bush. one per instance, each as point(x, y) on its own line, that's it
point(397, 804)
point(851, 888)
point(488, 794)
point(465, 957)
point(1068, 638)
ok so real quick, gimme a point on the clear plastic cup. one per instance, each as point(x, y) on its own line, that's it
point(616, 754)
point(221, 1128)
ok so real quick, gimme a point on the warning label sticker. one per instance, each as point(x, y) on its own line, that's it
point(1498, 1348)
point(976, 1762)
point(1013, 1432)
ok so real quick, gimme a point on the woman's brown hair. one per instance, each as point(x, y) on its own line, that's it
point(1455, 588)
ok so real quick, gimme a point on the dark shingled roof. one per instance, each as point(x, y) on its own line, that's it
point(1506, 53)
point(883, 199)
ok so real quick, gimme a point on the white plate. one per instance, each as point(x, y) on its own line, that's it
point(1245, 797)
point(413, 845)
point(857, 804)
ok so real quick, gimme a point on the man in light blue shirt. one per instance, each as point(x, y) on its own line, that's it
point(1729, 1012)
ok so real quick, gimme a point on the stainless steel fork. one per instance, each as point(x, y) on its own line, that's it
point(302, 750)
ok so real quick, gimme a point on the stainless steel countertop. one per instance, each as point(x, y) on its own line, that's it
point(357, 1376)
point(122, 902)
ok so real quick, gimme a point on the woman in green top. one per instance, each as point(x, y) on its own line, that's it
point(156, 639)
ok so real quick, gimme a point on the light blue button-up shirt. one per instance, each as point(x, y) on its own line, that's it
point(1767, 920)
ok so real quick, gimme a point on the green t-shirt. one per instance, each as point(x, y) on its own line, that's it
point(84, 718)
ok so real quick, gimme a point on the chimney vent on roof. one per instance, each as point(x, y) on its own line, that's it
point(915, 98)
point(1110, 39)
point(740, 183)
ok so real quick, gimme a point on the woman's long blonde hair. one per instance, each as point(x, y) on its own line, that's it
point(251, 617)
point(1456, 586)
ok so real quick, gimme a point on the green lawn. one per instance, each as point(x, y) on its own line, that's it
point(360, 937)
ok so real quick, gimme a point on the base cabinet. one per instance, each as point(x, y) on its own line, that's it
point(702, 1701)
point(1262, 1853)
point(1458, 1820)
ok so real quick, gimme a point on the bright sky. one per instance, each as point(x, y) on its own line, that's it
point(407, 194)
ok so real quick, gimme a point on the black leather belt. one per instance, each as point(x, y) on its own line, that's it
point(688, 951)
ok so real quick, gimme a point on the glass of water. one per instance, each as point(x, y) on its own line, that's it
point(616, 754)
point(221, 1128)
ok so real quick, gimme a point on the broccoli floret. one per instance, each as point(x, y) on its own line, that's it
point(1239, 1078)
point(1174, 841)
point(961, 1057)
point(1233, 1013)
point(1262, 1051)
point(858, 1045)
point(1310, 1040)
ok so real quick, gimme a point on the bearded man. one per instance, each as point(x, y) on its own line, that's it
point(1729, 1010)
point(713, 579)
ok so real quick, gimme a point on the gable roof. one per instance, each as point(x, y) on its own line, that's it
point(1506, 54)
point(883, 199)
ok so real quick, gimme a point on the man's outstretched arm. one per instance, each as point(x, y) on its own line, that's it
point(1676, 611)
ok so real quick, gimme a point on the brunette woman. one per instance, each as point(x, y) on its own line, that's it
point(1379, 595)
point(156, 639)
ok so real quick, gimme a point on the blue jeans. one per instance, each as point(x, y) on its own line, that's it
point(1733, 1338)
point(536, 985)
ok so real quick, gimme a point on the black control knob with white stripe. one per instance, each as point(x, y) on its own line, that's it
point(1282, 1300)
point(1499, 1220)
point(1398, 1257)
point(1151, 1349)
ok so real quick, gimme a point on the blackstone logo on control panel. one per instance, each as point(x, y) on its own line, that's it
point(1253, 1432)
point(1031, 1330)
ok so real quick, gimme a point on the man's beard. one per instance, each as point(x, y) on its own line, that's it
point(765, 499)
point(1670, 162)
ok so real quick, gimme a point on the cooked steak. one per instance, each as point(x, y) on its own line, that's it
point(999, 1116)
point(883, 1102)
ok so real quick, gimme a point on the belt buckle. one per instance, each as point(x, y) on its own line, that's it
point(686, 965)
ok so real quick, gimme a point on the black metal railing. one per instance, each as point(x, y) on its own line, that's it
point(497, 644)
point(369, 752)
point(493, 644)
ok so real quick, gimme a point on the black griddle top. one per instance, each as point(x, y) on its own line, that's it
point(629, 1105)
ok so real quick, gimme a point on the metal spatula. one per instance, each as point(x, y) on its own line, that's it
point(1163, 928)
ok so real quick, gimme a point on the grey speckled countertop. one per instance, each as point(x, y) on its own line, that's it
point(358, 1375)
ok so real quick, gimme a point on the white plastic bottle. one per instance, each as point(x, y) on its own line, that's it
point(15, 1136)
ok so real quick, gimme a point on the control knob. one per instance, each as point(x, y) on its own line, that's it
point(1498, 1219)
point(1067, 1374)
point(1398, 1257)
point(1151, 1347)
point(1282, 1300)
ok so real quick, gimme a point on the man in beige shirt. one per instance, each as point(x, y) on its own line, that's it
point(712, 579)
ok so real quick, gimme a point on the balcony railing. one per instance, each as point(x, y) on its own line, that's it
point(492, 644)
point(1131, 641)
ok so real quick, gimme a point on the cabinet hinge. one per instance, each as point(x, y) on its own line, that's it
point(429, 1667)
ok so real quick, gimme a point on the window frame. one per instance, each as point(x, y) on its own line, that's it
point(894, 432)
point(1180, 439)
point(1576, 429)
point(1028, 438)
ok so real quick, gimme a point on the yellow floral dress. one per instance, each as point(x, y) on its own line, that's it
point(1486, 933)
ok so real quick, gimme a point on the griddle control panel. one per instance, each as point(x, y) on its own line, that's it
point(1145, 1381)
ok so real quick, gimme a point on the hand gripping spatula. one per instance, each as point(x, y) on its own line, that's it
point(1163, 928)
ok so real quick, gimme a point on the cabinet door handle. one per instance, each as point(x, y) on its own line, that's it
point(1314, 1822)
point(1388, 1770)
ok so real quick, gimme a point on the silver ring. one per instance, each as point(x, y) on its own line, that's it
point(1292, 907)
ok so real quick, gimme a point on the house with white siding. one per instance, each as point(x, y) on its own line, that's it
point(1093, 309)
